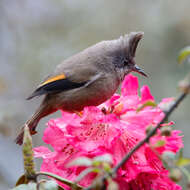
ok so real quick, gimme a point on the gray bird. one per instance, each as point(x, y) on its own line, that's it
point(86, 79)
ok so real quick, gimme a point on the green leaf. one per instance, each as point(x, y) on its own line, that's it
point(159, 143)
point(106, 167)
point(96, 163)
point(22, 180)
point(60, 179)
point(183, 162)
point(85, 172)
point(146, 104)
point(81, 161)
point(183, 54)
point(103, 158)
point(29, 186)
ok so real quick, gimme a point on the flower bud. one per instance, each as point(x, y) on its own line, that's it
point(168, 155)
point(166, 131)
point(175, 174)
point(184, 85)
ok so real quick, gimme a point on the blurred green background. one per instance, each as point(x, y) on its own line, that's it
point(36, 35)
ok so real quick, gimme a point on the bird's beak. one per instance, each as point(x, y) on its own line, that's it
point(139, 70)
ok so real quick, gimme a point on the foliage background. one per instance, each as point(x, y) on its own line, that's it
point(37, 35)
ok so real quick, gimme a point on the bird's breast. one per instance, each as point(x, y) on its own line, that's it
point(92, 95)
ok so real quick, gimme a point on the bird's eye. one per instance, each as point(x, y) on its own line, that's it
point(126, 61)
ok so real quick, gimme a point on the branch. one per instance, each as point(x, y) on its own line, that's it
point(138, 145)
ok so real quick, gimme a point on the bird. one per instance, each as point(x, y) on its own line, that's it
point(87, 78)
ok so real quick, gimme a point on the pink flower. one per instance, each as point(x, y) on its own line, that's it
point(114, 127)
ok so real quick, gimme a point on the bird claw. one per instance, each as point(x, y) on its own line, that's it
point(33, 132)
point(79, 113)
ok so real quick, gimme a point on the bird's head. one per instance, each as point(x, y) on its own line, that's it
point(125, 53)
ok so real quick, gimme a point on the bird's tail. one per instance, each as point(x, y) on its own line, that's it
point(32, 123)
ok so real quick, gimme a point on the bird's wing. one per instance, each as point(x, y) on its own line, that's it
point(55, 84)
point(59, 81)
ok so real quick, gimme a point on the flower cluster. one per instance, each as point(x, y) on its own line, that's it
point(114, 128)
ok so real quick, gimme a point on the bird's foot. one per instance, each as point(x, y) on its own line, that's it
point(79, 113)
point(33, 132)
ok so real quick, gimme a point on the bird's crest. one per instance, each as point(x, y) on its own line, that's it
point(130, 42)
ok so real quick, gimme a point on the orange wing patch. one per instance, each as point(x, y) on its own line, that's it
point(52, 79)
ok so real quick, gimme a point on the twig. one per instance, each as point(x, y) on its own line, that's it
point(150, 134)
point(60, 179)
point(145, 140)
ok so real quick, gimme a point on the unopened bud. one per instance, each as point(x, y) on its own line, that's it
point(184, 85)
point(168, 159)
point(168, 155)
point(166, 131)
point(175, 174)
point(112, 184)
point(28, 155)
